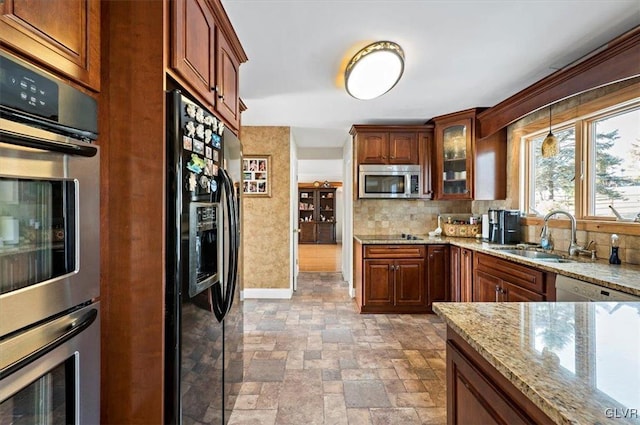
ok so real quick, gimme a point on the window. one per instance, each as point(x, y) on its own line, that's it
point(598, 165)
point(615, 164)
point(553, 179)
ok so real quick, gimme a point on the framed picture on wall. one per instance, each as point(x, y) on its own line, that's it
point(256, 171)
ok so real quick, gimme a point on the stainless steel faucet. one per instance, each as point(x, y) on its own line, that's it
point(574, 248)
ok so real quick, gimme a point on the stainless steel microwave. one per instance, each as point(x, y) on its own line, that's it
point(389, 181)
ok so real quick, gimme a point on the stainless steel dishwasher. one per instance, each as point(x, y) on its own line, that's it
point(570, 289)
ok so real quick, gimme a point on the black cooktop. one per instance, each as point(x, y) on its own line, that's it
point(402, 236)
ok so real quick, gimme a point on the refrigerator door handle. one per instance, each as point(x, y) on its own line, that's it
point(233, 238)
point(217, 294)
point(222, 298)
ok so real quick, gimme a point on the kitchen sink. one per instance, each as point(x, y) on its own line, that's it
point(546, 257)
point(532, 254)
point(557, 260)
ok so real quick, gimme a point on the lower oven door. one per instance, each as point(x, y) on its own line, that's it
point(50, 374)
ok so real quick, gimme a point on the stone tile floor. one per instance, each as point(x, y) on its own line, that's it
point(314, 360)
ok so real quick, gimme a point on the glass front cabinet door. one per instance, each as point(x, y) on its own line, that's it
point(454, 154)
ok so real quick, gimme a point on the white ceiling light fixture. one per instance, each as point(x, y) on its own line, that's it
point(374, 70)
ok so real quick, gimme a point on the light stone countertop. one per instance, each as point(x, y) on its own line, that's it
point(623, 277)
point(578, 362)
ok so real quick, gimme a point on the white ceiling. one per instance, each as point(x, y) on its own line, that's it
point(459, 54)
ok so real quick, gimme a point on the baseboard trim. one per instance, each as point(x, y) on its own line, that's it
point(267, 293)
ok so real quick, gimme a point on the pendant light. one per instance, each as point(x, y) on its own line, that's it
point(550, 143)
point(374, 70)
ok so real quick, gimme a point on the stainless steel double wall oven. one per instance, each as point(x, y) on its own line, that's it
point(49, 249)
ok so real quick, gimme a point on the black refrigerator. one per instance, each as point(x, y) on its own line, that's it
point(203, 307)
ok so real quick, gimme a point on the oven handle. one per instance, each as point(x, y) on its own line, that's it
point(72, 330)
point(48, 145)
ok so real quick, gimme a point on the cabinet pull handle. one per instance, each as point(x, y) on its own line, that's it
point(218, 90)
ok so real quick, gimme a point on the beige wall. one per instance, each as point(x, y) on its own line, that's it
point(266, 224)
point(629, 244)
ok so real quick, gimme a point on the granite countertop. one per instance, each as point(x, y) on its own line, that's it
point(623, 277)
point(578, 362)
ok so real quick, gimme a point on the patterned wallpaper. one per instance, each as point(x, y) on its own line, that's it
point(266, 228)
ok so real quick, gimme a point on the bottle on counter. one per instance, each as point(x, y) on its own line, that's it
point(614, 258)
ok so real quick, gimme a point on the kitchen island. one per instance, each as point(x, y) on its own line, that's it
point(562, 363)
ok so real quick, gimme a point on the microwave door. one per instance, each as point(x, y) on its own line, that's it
point(385, 184)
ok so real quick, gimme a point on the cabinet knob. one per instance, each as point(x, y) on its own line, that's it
point(218, 90)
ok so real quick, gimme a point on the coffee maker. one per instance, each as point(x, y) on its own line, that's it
point(504, 226)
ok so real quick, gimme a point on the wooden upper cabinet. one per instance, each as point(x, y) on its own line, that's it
point(60, 35)
point(454, 158)
point(403, 148)
point(206, 56)
point(373, 148)
point(387, 145)
point(193, 46)
point(464, 167)
point(228, 104)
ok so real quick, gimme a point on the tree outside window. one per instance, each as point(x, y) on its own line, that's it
point(553, 179)
point(611, 172)
point(616, 165)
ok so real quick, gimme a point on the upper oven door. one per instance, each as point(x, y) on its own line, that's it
point(49, 224)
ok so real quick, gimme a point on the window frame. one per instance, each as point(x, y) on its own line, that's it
point(588, 157)
point(585, 155)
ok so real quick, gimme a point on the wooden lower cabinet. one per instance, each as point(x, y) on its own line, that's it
point(477, 394)
point(461, 286)
point(326, 232)
point(379, 276)
point(466, 275)
point(400, 278)
point(499, 280)
point(409, 284)
point(438, 274)
point(307, 233)
point(455, 253)
point(392, 285)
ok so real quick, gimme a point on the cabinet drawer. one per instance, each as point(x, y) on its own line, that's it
point(523, 276)
point(394, 251)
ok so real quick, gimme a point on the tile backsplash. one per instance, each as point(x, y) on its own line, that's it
point(394, 216)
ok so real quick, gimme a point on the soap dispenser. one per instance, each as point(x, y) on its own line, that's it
point(614, 258)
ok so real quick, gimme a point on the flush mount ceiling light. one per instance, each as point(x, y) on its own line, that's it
point(550, 143)
point(374, 70)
